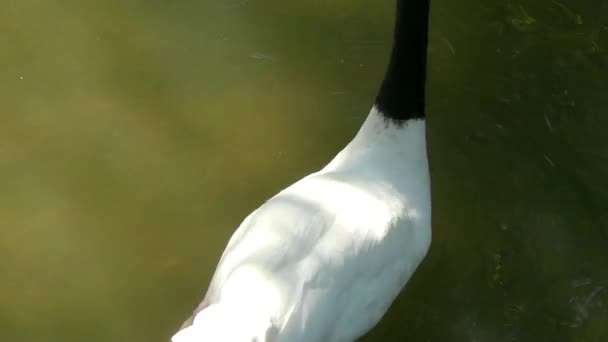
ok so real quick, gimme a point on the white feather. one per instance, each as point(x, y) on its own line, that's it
point(324, 259)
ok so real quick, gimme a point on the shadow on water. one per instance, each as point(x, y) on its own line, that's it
point(135, 136)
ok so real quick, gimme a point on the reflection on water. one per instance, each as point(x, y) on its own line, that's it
point(136, 135)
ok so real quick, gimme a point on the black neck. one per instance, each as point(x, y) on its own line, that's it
point(401, 96)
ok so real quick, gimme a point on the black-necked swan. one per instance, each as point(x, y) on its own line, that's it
point(324, 259)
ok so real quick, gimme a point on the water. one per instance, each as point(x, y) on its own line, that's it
point(136, 135)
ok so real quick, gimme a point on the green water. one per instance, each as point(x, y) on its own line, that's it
point(136, 135)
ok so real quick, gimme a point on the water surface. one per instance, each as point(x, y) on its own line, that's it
point(136, 135)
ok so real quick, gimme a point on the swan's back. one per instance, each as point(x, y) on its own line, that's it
point(324, 259)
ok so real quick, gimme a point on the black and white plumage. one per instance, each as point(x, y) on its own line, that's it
point(324, 259)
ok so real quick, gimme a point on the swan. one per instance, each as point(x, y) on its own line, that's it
point(324, 259)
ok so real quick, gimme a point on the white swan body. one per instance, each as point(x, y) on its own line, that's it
point(324, 259)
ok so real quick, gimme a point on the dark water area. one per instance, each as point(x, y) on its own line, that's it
point(136, 135)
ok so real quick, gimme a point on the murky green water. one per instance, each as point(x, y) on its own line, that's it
point(136, 135)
